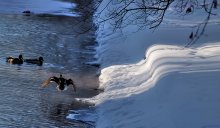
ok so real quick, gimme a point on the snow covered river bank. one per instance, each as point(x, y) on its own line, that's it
point(151, 80)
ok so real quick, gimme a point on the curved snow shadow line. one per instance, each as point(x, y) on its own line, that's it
point(161, 60)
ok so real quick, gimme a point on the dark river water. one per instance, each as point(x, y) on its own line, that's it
point(23, 103)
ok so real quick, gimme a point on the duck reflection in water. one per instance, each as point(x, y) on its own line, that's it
point(61, 82)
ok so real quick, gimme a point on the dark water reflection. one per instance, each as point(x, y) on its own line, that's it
point(23, 102)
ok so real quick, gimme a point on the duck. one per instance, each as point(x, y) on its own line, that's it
point(38, 61)
point(27, 12)
point(61, 82)
point(13, 60)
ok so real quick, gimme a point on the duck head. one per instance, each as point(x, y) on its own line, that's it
point(20, 57)
point(41, 59)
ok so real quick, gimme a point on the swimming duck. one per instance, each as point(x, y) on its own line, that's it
point(38, 61)
point(61, 82)
point(27, 12)
point(13, 60)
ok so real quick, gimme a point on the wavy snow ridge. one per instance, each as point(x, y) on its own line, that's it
point(125, 80)
point(190, 100)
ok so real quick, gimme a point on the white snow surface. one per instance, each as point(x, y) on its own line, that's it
point(151, 80)
point(174, 87)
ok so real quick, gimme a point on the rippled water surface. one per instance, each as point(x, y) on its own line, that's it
point(23, 103)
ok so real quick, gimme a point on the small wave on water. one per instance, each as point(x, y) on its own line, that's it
point(88, 116)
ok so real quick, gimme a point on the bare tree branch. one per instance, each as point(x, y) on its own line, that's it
point(151, 13)
point(202, 26)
